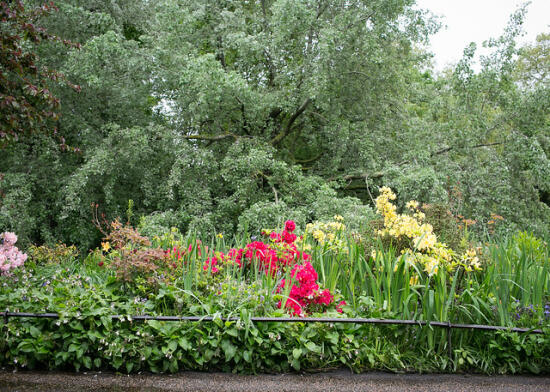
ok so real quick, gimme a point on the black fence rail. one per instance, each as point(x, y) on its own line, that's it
point(198, 319)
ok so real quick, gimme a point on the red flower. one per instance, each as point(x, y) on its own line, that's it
point(304, 291)
point(290, 225)
point(100, 264)
point(325, 298)
point(288, 237)
point(276, 237)
point(339, 306)
point(211, 264)
point(236, 255)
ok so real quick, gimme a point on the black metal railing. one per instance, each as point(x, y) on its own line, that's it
point(441, 324)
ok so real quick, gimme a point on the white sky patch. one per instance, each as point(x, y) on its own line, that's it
point(466, 21)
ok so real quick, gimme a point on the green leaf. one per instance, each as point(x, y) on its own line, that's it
point(184, 343)
point(87, 362)
point(332, 337)
point(35, 332)
point(296, 353)
point(313, 347)
point(208, 354)
point(229, 349)
point(173, 367)
point(172, 345)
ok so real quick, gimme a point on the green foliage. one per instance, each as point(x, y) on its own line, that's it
point(15, 211)
point(211, 116)
point(57, 254)
point(112, 174)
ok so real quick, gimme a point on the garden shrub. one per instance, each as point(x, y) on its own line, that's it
point(416, 238)
point(57, 254)
point(156, 224)
point(10, 256)
point(134, 261)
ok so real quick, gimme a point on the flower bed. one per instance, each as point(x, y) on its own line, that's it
point(397, 270)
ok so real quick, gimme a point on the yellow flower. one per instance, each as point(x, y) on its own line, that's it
point(470, 260)
point(105, 246)
point(220, 235)
point(431, 266)
point(412, 205)
point(319, 236)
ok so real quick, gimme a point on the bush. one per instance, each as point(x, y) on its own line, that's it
point(58, 254)
point(10, 256)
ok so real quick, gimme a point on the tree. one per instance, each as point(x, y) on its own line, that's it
point(230, 115)
point(533, 66)
point(27, 104)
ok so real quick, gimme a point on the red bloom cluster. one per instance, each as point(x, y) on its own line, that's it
point(212, 262)
point(264, 254)
point(175, 252)
point(304, 292)
point(272, 257)
point(290, 226)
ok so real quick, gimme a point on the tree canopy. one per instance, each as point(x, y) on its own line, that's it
point(227, 116)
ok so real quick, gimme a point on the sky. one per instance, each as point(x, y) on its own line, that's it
point(466, 21)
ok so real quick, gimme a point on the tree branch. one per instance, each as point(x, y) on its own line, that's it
point(278, 138)
point(447, 149)
point(309, 160)
point(211, 137)
point(245, 123)
point(365, 176)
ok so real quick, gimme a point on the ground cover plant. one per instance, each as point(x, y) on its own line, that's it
point(396, 268)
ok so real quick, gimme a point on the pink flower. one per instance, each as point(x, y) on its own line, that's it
point(304, 256)
point(9, 238)
point(10, 256)
point(325, 298)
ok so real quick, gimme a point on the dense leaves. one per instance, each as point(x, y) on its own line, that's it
point(228, 116)
point(27, 104)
